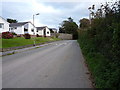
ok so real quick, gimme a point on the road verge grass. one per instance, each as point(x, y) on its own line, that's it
point(20, 41)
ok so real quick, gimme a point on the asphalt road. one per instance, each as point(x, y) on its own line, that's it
point(58, 65)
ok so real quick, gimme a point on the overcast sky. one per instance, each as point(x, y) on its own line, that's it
point(52, 12)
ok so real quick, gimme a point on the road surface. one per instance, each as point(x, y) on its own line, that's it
point(58, 65)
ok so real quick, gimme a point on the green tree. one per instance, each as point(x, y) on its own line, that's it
point(11, 20)
point(84, 23)
point(103, 37)
point(70, 27)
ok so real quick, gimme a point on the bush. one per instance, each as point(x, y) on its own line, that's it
point(18, 35)
point(101, 46)
point(56, 35)
point(7, 35)
point(13, 33)
point(27, 36)
point(37, 35)
point(75, 35)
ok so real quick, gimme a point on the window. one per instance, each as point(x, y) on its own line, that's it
point(47, 32)
point(32, 30)
point(2, 25)
point(15, 27)
point(25, 30)
point(11, 28)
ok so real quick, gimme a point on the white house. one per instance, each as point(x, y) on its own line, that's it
point(43, 31)
point(4, 25)
point(23, 28)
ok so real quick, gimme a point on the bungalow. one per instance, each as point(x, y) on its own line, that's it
point(4, 25)
point(53, 30)
point(23, 28)
point(43, 31)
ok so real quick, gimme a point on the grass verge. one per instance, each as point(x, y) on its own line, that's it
point(20, 41)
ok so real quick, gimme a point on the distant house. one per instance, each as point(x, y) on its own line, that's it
point(43, 31)
point(53, 30)
point(23, 28)
point(4, 25)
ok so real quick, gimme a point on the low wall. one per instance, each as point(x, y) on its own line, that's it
point(62, 36)
point(65, 36)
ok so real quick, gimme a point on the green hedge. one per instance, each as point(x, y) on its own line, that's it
point(106, 71)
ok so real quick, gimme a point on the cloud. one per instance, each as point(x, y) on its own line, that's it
point(58, 0)
point(40, 7)
point(52, 12)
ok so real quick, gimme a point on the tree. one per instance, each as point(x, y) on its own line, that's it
point(103, 37)
point(51, 31)
point(11, 20)
point(84, 23)
point(70, 19)
point(70, 27)
point(61, 30)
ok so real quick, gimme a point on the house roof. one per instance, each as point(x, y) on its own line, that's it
point(41, 28)
point(4, 19)
point(19, 24)
point(53, 29)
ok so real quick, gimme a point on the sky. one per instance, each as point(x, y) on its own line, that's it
point(52, 12)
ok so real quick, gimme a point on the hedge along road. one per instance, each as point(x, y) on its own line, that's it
point(58, 65)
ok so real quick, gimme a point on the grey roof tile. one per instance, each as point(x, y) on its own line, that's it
point(40, 28)
point(18, 24)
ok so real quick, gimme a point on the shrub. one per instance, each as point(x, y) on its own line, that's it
point(27, 36)
point(13, 33)
point(7, 35)
point(37, 35)
point(18, 35)
point(57, 35)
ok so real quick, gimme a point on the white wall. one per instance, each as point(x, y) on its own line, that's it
point(20, 29)
point(47, 32)
point(30, 27)
point(40, 33)
point(5, 27)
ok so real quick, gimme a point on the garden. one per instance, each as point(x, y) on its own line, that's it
point(8, 40)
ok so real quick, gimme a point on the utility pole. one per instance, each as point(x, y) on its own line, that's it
point(34, 16)
point(34, 26)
